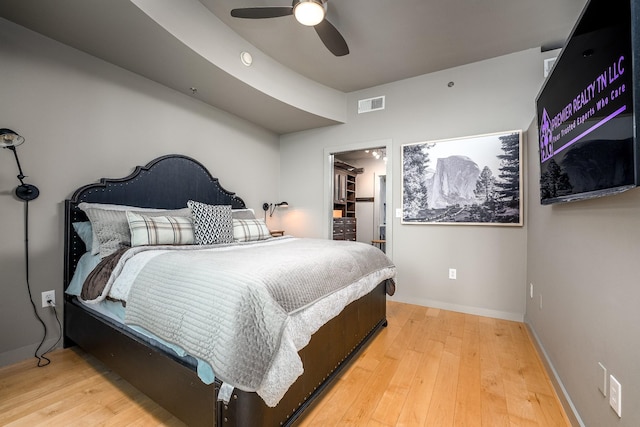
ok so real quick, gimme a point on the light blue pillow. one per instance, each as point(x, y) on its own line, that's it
point(85, 232)
point(86, 264)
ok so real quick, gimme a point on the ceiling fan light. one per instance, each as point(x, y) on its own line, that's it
point(309, 12)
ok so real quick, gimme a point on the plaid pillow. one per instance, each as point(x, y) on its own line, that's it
point(160, 230)
point(212, 223)
point(247, 230)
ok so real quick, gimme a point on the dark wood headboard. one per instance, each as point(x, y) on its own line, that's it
point(167, 182)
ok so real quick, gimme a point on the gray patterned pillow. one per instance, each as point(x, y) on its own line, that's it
point(95, 249)
point(212, 224)
point(111, 227)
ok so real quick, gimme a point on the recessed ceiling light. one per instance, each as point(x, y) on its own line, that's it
point(246, 58)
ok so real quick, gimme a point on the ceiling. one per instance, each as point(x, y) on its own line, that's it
point(395, 40)
point(388, 41)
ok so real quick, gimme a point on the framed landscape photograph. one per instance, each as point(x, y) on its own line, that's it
point(474, 180)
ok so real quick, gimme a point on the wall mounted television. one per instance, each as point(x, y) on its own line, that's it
point(588, 107)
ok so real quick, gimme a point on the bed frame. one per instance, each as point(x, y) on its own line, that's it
point(169, 182)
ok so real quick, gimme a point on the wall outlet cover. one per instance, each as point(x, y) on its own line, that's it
point(48, 296)
point(615, 395)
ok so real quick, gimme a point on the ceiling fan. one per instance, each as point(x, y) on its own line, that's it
point(308, 12)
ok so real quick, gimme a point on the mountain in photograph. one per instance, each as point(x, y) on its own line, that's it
point(453, 182)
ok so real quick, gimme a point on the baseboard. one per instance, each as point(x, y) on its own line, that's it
point(561, 392)
point(497, 314)
point(23, 353)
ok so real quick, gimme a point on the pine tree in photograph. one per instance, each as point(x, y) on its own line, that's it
point(415, 193)
point(485, 185)
point(509, 183)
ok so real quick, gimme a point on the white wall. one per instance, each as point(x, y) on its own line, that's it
point(583, 262)
point(489, 96)
point(84, 119)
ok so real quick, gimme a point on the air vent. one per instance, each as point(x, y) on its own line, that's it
point(371, 104)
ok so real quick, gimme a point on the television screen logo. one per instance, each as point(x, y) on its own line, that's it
point(546, 137)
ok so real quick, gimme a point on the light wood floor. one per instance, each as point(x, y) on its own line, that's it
point(429, 367)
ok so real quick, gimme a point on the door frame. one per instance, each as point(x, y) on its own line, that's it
point(327, 204)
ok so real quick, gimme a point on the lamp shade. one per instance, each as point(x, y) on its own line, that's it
point(309, 12)
point(9, 138)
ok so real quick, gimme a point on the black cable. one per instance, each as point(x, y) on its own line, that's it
point(33, 305)
point(55, 343)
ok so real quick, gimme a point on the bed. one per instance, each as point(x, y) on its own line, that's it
point(174, 380)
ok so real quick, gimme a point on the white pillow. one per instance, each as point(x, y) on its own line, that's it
point(160, 230)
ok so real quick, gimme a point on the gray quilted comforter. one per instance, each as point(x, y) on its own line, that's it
point(247, 310)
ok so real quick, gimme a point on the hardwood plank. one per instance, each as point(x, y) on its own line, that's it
point(518, 404)
point(414, 410)
point(468, 408)
point(410, 331)
point(390, 405)
point(342, 395)
point(421, 338)
point(442, 406)
point(493, 401)
point(360, 411)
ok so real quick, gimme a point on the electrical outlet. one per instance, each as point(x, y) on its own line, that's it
point(615, 395)
point(603, 384)
point(49, 296)
point(540, 301)
point(530, 290)
point(453, 273)
point(398, 213)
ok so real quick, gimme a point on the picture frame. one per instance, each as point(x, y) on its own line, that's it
point(473, 180)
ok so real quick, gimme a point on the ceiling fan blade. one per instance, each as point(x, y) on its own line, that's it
point(262, 12)
point(332, 38)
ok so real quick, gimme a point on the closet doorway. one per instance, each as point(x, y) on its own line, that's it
point(358, 193)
